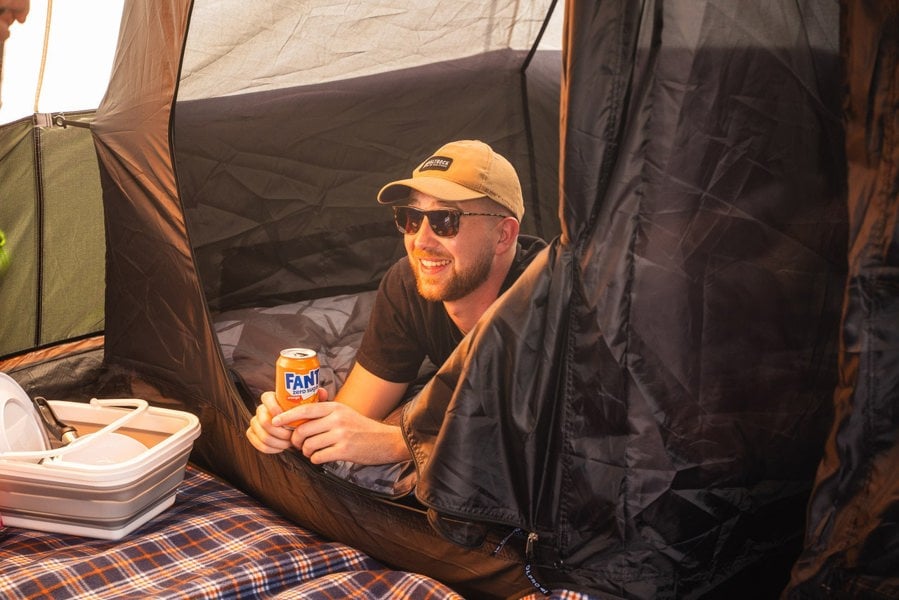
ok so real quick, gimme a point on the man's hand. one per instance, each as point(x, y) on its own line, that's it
point(12, 10)
point(265, 436)
point(332, 431)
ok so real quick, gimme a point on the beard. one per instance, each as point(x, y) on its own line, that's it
point(460, 282)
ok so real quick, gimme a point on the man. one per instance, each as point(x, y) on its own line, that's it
point(11, 11)
point(460, 214)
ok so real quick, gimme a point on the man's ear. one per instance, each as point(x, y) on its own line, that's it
point(508, 236)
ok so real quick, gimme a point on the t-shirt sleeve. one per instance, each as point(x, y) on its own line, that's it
point(390, 348)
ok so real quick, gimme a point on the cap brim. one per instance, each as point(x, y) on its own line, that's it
point(432, 186)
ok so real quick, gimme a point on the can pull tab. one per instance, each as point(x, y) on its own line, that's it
point(61, 431)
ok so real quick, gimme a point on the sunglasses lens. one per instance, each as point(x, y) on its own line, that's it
point(407, 219)
point(444, 223)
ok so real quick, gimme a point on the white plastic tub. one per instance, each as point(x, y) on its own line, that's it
point(106, 501)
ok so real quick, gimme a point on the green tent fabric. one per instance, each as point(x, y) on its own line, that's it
point(51, 215)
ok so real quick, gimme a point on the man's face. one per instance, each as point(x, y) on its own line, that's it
point(448, 269)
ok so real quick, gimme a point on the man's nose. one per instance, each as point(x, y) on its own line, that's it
point(425, 236)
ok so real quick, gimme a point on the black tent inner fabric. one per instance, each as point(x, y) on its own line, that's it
point(664, 420)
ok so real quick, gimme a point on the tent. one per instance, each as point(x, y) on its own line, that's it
point(644, 414)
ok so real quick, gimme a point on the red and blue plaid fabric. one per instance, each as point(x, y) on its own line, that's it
point(214, 542)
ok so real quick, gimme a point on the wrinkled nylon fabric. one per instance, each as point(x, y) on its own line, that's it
point(852, 540)
point(657, 390)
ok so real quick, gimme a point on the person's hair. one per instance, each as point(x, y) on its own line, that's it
point(495, 207)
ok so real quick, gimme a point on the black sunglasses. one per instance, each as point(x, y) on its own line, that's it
point(443, 221)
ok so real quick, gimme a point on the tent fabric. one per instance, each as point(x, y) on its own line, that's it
point(642, 415)
point(159, 326)
point(304, 224)
point(51, 216)
point(342, 98)
point(288, 45)
point(656, 390)
point(852, 541)
point(159, 330)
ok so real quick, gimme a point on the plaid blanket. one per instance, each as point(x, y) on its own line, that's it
point(214, 542)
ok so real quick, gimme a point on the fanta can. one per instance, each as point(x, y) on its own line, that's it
point(296, 379)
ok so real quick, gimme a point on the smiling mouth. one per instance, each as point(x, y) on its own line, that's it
point(432, 264)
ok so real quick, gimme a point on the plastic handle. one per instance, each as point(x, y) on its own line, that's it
point(138, 405)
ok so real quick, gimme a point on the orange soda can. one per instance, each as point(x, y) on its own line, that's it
point(296, 379)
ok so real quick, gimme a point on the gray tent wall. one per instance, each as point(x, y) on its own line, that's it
point(286, 236)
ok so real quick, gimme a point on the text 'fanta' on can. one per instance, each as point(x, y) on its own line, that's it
point(301, 384)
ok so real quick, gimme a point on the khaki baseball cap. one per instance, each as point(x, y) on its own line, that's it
point(462, 170)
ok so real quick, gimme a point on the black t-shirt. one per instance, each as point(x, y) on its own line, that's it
point(404, 328)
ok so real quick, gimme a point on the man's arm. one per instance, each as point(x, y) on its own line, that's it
point(369, 394)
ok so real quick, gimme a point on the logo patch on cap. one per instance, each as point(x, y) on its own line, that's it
point(436, 163)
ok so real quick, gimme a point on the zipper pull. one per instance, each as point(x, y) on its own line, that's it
point(529, 568)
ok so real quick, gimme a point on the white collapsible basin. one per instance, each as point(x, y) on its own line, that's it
point(106, 501)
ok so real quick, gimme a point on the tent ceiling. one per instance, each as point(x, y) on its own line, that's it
point(263, 51)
